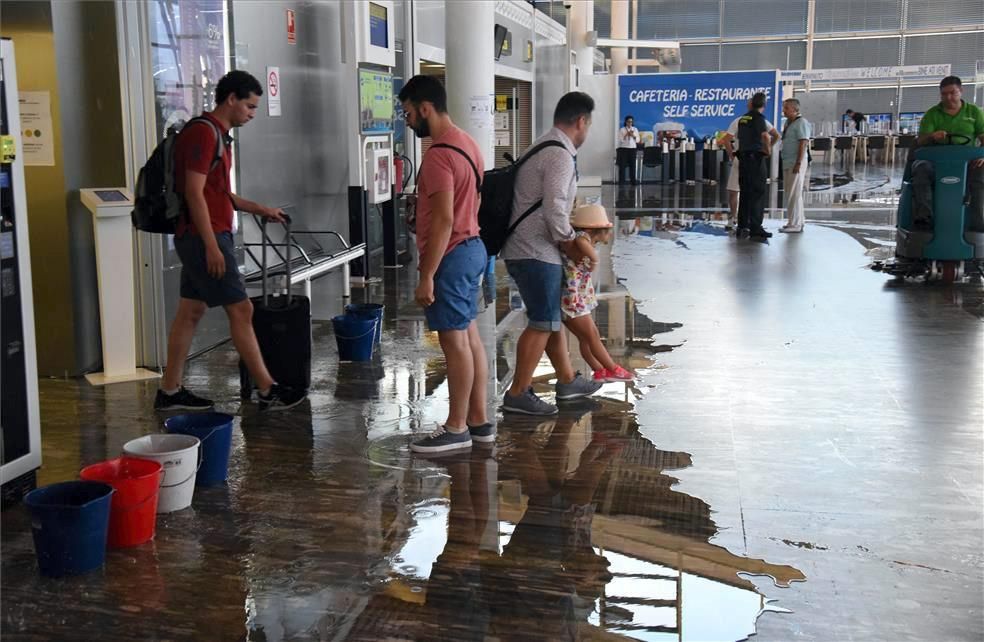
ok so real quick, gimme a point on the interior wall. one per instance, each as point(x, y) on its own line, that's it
point(299, 157)
point(549, 83)
point(29, 26)
point(92, 147)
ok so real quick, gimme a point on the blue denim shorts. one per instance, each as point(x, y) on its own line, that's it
point(456, 285)
point(540, 284)
point(197, 283)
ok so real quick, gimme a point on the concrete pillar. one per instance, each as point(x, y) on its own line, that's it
point(580, 20)
point(469, 27)
point(620, 31)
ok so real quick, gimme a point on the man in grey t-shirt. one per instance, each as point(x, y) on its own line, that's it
point(534, 256)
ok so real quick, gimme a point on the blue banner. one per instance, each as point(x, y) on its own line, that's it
point(699, 103)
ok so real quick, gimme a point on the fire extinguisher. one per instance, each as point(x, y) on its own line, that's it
point(398, 173)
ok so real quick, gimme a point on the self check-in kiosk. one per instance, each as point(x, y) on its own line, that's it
point(20, 422)
point(368, 33)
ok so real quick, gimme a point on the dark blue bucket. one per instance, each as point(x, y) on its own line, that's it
point(70, 522)
point(368, 311)
point(214, 430)
point(354, 336)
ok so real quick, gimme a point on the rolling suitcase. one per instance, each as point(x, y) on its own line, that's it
point(283, 329)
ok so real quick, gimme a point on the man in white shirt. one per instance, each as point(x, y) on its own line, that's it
point(625, 152)
point(730, 143)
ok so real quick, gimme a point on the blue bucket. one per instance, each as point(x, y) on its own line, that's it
point(368, 311)
point(355, 337)
point(214, 430)
point(70, 523)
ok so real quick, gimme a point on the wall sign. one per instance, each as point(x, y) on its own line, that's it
point(291, 28)
point(273, 91)
point(37, 133)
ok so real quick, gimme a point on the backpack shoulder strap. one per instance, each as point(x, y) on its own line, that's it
point(219, 139)
point(478, 179)
point(533, 151)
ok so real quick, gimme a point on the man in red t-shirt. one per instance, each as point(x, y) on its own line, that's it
point(209, 274)
point(452, 261)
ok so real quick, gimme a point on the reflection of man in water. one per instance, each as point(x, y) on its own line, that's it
point(549, 574)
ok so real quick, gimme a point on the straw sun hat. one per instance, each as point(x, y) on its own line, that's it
point(590, 217)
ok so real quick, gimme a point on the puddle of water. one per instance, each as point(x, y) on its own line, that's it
point(570, 527)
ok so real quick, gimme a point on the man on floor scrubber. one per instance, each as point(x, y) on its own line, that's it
point(951, 122)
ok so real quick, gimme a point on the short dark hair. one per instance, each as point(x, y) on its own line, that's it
point(758, 100)
point(849, 111)
point(423, 88)
point(628, 118)
point(951, 80)
point(237, 82)
point(572, 106)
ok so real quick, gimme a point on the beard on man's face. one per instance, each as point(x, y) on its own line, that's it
point(421, 129)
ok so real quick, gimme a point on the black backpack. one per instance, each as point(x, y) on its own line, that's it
point(497, 190)
point(157, 206)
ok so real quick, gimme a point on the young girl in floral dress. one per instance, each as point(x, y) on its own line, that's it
point(578, 300)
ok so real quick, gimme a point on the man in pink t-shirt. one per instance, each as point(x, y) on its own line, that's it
point(452, 261)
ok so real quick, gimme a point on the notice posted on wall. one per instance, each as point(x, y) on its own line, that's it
point(480, 110)
point(37, 134)
point(273, 91)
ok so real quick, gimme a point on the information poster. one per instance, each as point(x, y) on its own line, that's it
point(37, 135)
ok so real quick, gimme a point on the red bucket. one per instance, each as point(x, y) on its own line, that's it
point(133, 515)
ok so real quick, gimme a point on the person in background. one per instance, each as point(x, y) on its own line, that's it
point(452, 261)
point(795, 143)
point(730, 143)
point(754, 146)
point(591, 226)
point(628, 143)
point(857, 117)
point(952, 121)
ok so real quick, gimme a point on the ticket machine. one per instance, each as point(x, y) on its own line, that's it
point(20, 423)
point(370, 58)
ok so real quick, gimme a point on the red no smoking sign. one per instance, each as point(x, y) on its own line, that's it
point(273, 83)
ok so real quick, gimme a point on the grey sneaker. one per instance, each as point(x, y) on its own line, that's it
point(484, 433)
point(442, 440)
point(579, 387)
point(527, 403)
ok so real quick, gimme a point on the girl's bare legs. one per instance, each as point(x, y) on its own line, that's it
point(589, 340)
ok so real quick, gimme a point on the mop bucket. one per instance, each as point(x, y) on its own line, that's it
point(70, 522)
point(133, 515)
point(214, 430)
point(180, 457)
point(368, 311)
point(354, 336)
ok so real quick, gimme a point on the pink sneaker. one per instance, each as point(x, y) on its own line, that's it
point(601, 376)
point(619, 374)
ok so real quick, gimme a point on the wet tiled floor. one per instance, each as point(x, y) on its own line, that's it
point(796, 417)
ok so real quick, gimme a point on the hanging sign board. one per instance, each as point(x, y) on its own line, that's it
point(698, 104)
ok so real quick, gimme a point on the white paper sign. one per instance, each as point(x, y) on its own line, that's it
point(501, 120)
point(37, 134)
point(502, 138)
point(273, 90)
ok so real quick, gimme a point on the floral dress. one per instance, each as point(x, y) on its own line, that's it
point(578, 298)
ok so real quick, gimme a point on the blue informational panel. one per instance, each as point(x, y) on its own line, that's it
point(700, 104)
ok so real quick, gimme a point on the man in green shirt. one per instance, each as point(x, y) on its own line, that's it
point(951, 122)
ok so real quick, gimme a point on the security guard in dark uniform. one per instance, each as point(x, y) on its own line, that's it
point(754, 146)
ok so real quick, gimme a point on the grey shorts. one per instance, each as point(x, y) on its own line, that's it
point(197, 283)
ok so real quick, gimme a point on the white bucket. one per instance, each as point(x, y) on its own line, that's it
point(179, 455)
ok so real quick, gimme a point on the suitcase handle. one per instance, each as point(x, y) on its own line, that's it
point(287, 264)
